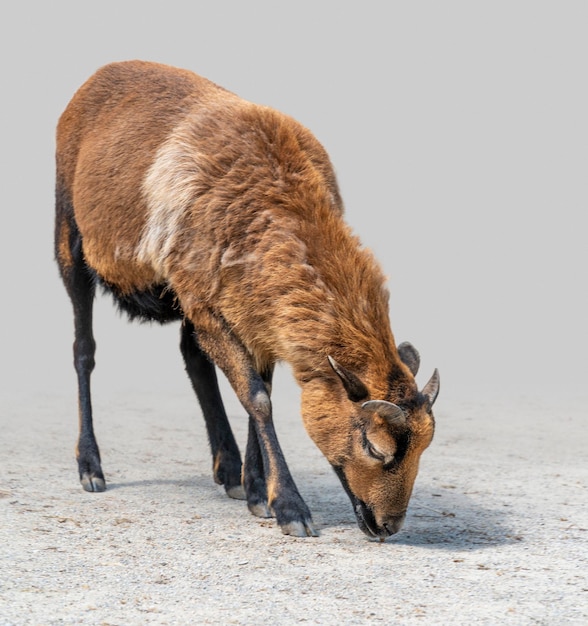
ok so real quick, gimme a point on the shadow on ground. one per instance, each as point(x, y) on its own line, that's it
point(447, 521)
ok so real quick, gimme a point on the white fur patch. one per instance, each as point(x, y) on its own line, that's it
point(170, 187)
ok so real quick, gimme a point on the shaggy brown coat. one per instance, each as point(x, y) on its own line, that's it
point(169, 185)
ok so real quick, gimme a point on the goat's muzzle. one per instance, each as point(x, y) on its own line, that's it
point(368, 524)
point(365, 517)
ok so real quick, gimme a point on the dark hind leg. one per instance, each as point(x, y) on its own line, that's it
point(253, 473)
point(226, 458)
point(81, 289)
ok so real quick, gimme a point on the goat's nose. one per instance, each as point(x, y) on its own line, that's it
point(394, 524)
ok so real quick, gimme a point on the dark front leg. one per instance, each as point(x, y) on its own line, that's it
point(254, 475)
point(284, 500)
point(226, 458)
point(254, 472)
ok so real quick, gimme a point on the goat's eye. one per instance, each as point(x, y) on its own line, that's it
point(376, 454)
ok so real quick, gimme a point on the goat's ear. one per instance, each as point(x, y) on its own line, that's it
point(409, 356)
point(431, 389)
point(356, 390)
point(392, 413)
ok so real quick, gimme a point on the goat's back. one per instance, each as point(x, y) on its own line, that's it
point(176, 181)
point(107, 138)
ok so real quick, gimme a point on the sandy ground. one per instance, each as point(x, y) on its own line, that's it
point(496, 531)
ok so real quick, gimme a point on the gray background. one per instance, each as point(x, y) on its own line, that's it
point(458, 132)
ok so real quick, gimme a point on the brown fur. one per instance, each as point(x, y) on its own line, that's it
point(235, 208)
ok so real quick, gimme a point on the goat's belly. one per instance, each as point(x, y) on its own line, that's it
point(156, 303)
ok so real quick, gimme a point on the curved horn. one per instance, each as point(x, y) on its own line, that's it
point(431, 389)
point(355, 389)
point(392, 413)
point(409, 355)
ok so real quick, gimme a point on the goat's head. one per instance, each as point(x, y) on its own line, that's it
point(373, 444)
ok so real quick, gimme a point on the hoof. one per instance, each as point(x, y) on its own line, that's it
point(226, 469)
point(93, 483)
point(260, 509)
point(236, 491)
point(299, 529)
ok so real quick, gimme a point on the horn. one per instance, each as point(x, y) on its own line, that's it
point(355, 389)
point(431, 389)
point(409, 356)
point(392, 413)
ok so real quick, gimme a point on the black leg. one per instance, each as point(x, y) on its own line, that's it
point(253, 473)
point(226, 458)
point(283, 497)
point(254, 476)
point(230, 355)
point(88, 454)
point(81, 289)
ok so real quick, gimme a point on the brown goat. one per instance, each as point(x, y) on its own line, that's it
point(188, 203)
